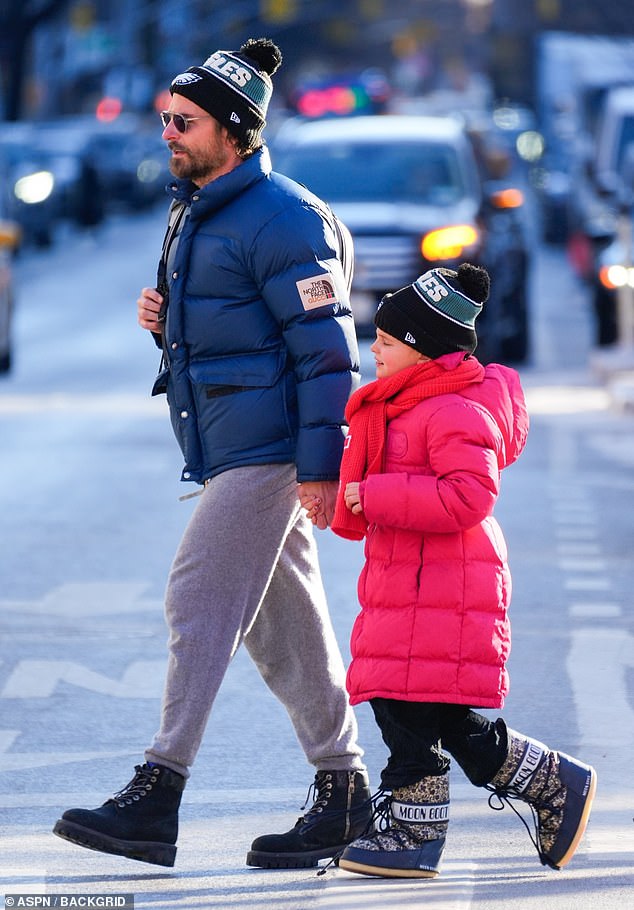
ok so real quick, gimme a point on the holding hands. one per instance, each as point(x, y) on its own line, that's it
point(320, 511)
point(319, 498)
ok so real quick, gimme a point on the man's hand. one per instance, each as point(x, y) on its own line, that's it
point(148, 306)
point(319, 497)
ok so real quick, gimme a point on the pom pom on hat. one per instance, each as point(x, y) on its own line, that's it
point(436, 314)
point(234, 87)
point(264, 52)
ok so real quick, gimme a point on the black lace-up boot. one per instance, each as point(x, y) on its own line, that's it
point(342, 811)
point(140, 822)
point(559, 789)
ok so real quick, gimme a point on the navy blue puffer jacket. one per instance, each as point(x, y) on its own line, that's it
point(259, 338)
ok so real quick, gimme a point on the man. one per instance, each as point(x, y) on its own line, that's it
point(260, 357)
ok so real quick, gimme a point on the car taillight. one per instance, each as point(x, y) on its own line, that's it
point(449, 242)
point(10, 235)
point(510, 198)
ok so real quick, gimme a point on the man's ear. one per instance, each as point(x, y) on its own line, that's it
point(229, 139)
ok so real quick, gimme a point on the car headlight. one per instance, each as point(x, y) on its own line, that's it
point(34, 188)
point(616, 276)
point(530, 145)
point(148, 170)
point(449, 242)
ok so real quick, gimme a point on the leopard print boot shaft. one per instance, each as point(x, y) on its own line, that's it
point(412, 838)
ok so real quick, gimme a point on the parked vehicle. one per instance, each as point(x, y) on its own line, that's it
point(600, 188)
point(616, 134)
point(612, 270)
point(409, 190)
point(79, 190)
point(29, 185)
point(105, 166)
point(551, 180)
point(9, 241)
point(133, 166)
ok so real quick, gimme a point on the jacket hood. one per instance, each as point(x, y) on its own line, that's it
point(501, 393)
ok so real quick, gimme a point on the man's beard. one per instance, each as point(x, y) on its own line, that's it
point(196, 167)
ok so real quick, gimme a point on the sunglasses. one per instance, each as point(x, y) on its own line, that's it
point(181, 122)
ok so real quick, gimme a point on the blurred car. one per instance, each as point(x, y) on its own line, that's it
point(29, 186)
point(612, 268)
point(9, 242)
point(615, 135)
point(602, 188)
point(613, 271)
point(411, 193)
point(100, 167)
point(516, 125)
point(551, 180)
point(133, 166)
point(79, 191)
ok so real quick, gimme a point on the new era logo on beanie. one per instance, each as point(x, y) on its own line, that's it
point(234, 87)
point(436, 314)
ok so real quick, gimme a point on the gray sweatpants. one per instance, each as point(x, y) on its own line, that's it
point(247, 571)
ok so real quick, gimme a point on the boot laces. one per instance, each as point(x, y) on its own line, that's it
point(381, 804)
point(546, 815)
point(378, 821)
point(319, 792)
point(140, 785)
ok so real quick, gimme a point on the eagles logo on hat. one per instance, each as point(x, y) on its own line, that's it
point(436, 314)
point(234, 87)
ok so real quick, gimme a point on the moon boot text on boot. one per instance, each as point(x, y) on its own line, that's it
point(411, 840)
point(558, 788)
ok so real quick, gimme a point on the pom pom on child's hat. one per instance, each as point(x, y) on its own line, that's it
point(234, 87)
point(436, 314)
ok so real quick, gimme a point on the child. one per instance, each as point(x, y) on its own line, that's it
point(419, 479)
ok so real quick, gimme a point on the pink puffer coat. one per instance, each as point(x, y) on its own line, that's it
point(436, 587)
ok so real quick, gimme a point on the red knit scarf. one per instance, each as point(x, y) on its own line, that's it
point(370, 409)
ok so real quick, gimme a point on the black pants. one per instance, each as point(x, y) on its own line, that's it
point(418, 734)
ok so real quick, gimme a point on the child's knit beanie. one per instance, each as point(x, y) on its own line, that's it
point(436, 314)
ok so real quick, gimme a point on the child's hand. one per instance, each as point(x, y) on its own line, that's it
point(352, 497)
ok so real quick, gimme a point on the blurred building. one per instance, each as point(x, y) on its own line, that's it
point(94, 48)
